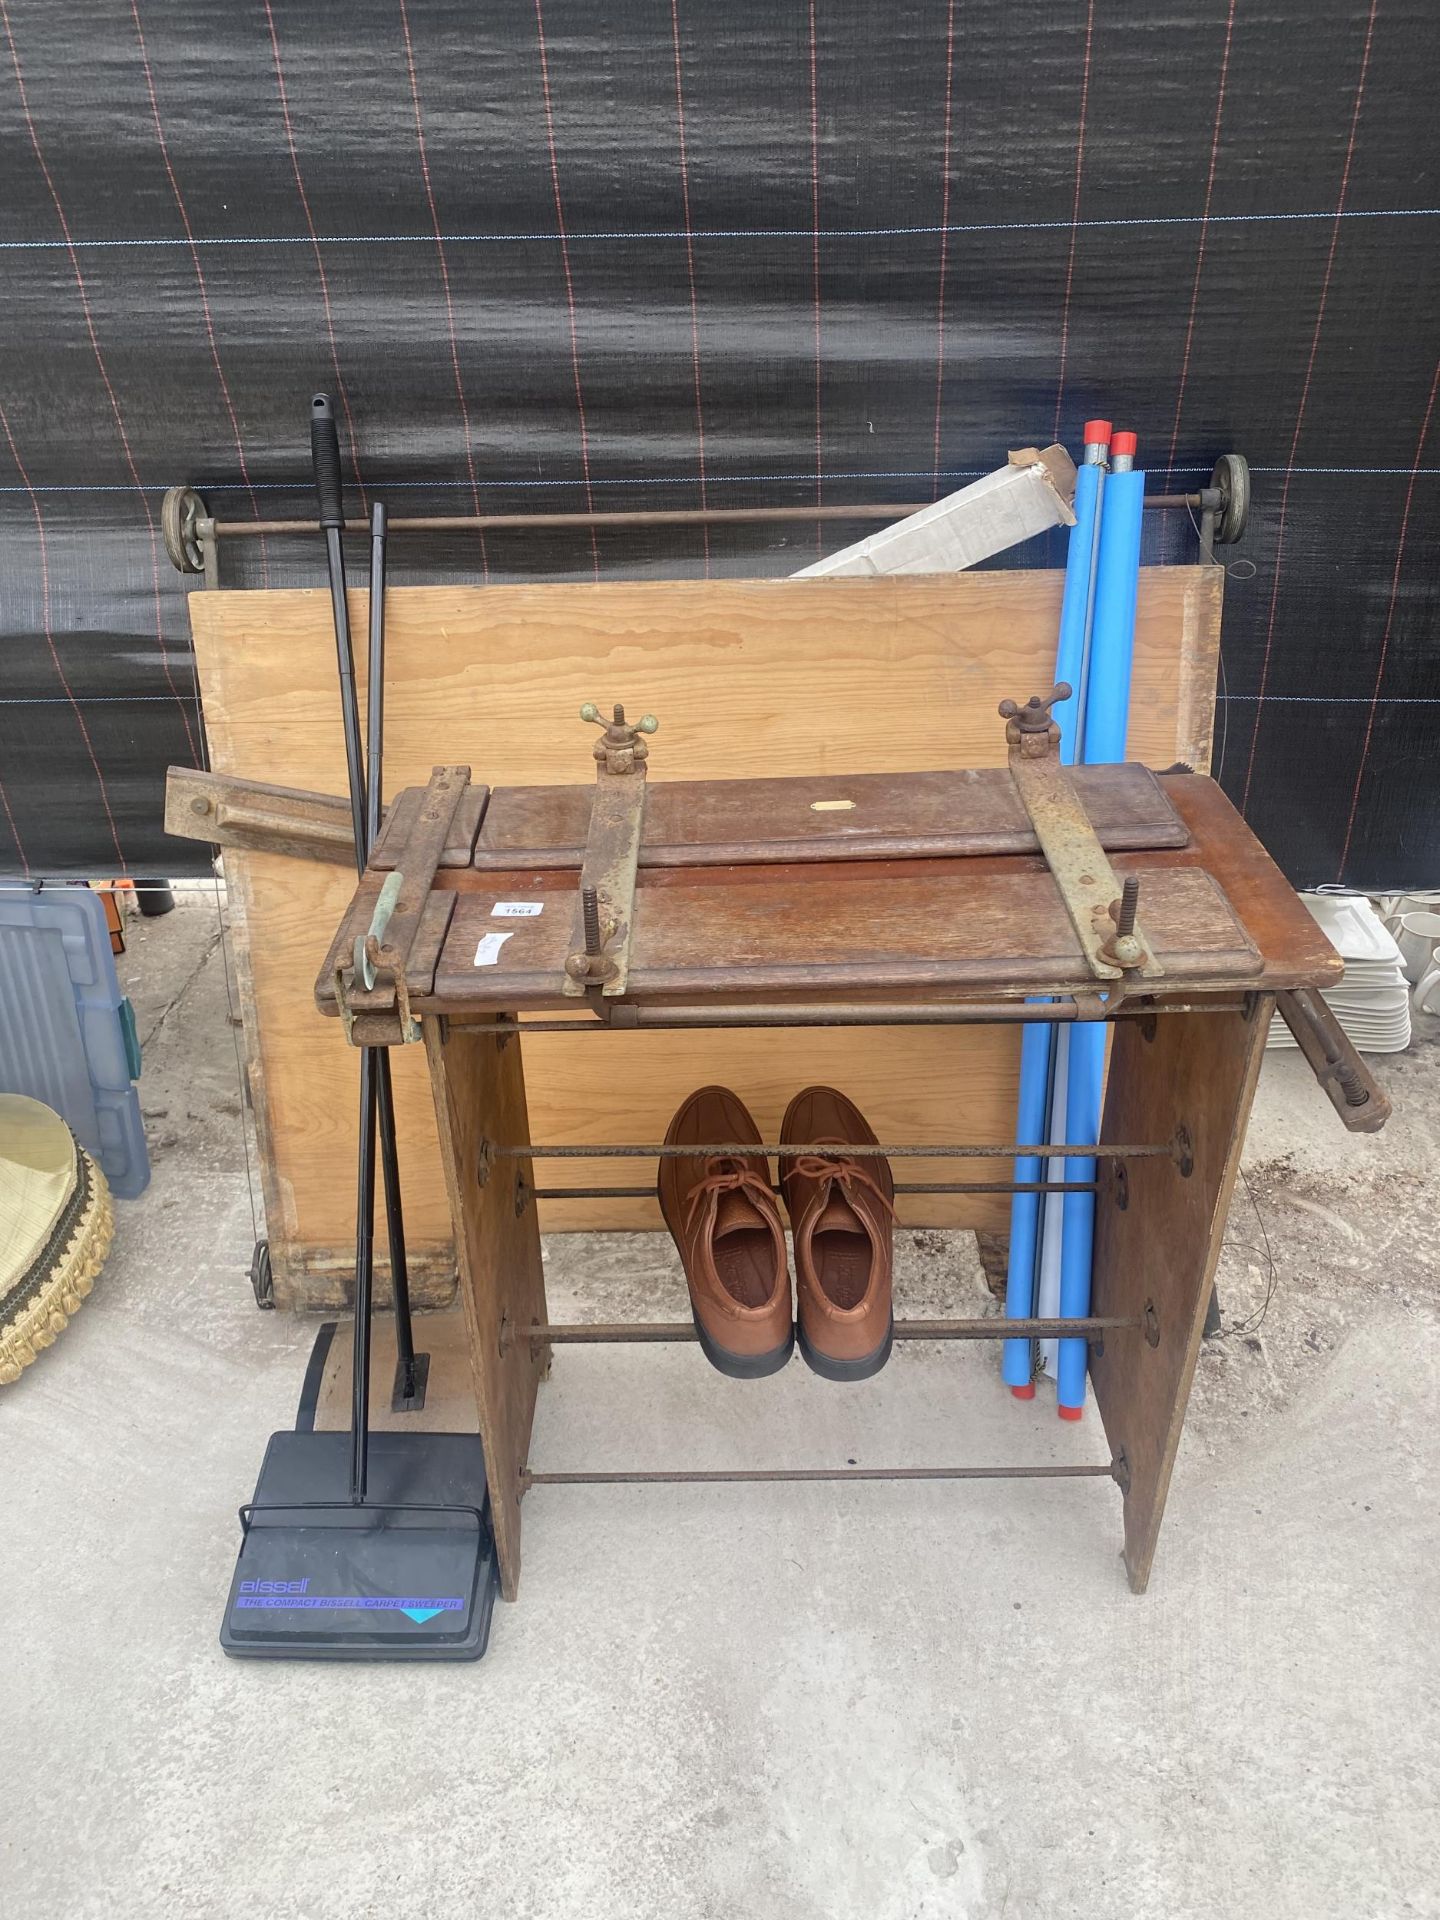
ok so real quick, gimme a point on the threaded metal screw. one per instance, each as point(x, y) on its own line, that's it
point(1129, 901)
point(590, 912)
point(1355, 1091)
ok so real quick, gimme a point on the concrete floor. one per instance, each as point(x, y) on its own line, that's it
point(818, 1703)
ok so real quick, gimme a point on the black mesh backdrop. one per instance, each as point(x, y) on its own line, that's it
point(548, 252)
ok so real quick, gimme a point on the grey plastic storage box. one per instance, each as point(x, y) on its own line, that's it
point(67, 1034)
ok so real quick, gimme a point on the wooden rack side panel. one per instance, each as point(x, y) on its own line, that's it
point(748, 677)
point(479, 1089)
point(1158, 1228)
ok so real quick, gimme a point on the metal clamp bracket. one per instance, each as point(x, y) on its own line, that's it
point(1101, 911)
point(600, 954)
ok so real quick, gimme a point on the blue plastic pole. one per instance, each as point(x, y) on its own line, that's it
point(1077, 605)
point(1077, 1233)
point(1017, 1359)
point(1117, 581)
point(1015, 1355)
point(1106, 721)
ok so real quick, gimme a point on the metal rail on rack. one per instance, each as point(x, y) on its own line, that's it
point(1115, 1470)
point(192, 533)
point(604, 1333)
point(993, 1150)
point(626, 1018)
point(901, 1186)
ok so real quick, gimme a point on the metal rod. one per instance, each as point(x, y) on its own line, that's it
point(325, 460)
point(375, 690)
point(349, 704)
point(842, 1014)
point(384, 1090)
point(750, 1474)
point(364, 1273)
point(645, 1333)
point(1001, 1150)
point(635, 518)
point(854, 1014)
point(901, 1186)
point(538, 522)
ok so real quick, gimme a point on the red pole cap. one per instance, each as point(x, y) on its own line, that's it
point(1097, 432)
point(1123, 443)
point(1071, 1413)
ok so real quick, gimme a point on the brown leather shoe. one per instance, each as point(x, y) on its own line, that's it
point(723, 1214)
point(842, 1215)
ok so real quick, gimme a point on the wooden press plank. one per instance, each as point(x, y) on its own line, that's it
point(250, 813)
point(847, 930)
point(749, 677)
point(230, 812)
point(415, 906)
point(1296, 951)
point(875, 816)
point(401, 816)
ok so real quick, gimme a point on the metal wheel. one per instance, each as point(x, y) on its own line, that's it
point(1231, 478)
point(261, 1278)
point(181, 509)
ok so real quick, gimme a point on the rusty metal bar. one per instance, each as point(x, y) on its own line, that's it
point(901, 1186)
point(632, 518)
point(743, 1475)
point(606, 1333)
point(538, 522)
point(1001, 1150)
point(627, 1018)
point(843, 1014)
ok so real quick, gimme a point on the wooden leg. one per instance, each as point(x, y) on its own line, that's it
point(1158, 1227)
point(479, 1088)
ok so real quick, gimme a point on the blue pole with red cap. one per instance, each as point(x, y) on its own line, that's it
point(1072, 664)
point(1106, 718)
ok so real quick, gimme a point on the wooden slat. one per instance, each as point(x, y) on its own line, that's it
point(257, 814)
point(845, 931)
point(422, 853)
point(866, 816)
point(229, 812)
point(400, 819)
point(753, 678)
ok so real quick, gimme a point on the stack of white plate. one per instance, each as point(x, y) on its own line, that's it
point(1372, 1002)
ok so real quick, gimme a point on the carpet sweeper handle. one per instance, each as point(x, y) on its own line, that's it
point(376, 1100)
point(411, 1369)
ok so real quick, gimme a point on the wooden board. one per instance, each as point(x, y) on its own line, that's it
point(749, 678)
point(858, 816)
point(449, 1391)
point(844, 931)
point(479, 1089)
point(1158, 1227)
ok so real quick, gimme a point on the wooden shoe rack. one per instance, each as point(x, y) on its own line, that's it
point(915, 899)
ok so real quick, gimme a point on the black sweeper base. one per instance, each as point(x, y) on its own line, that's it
point(408, 1575)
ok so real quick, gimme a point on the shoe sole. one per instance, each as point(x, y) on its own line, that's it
point(862, 1369)
point(743, 1366)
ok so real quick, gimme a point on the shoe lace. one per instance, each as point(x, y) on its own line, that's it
point(847, 1174)
point(725, 1174)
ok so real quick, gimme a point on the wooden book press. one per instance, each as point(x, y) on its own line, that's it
point(1113, 893)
